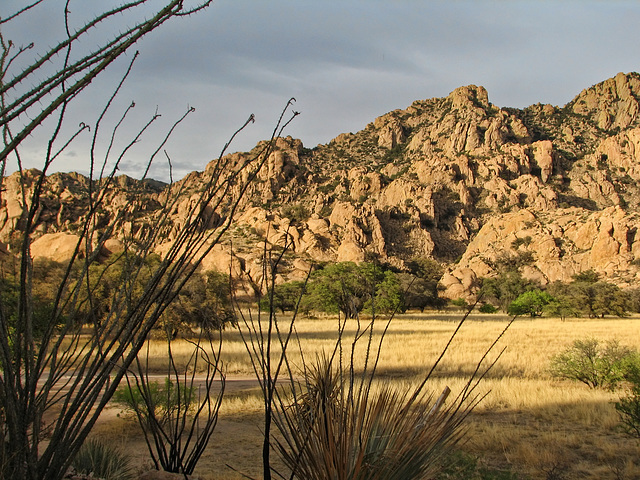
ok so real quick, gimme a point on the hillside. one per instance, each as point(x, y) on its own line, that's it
point(457, 179)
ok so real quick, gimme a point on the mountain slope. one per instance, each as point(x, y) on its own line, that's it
point(456, 178)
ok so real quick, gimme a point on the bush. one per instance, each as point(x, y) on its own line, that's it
point(628, 407)
point(461, 303)
point(162, 401)
point(102, 461)
point(487, 308)
point(593, 363)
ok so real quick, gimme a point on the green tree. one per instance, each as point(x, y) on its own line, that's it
point(600, 298)
point(530, 303)
point(587, 276)
point(388, 297)
point(348, 287)
point(505, 288)
point(564, 303)
point(628, 407)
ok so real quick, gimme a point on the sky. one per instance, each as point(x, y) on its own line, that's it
point(345, 62)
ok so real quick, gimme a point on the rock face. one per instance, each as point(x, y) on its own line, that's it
point(457, 179)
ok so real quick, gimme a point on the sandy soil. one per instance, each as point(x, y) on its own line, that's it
point(236, 441)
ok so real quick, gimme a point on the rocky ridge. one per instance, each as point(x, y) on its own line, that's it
point(457, 179)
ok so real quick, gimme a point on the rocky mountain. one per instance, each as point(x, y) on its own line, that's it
point(457, 179)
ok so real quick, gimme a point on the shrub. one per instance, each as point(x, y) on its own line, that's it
point(461, 303)
point(487, 308)
point(628, 407)
point(593, 363)
point(163, 401)
point(102, 461)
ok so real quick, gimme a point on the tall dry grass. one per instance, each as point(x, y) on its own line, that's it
point(529, 422)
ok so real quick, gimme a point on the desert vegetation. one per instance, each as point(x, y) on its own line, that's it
point(336, 375)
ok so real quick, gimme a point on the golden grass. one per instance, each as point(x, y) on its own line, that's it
point(528, 422)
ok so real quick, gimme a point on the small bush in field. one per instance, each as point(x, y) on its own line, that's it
point(628, 407)
point(592, 362)
point(161, 400)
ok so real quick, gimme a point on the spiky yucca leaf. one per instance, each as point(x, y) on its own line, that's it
point(342, 430)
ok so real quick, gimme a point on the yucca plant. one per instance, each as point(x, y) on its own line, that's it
point(103, 461)
point(385, 434)
point(344, 427)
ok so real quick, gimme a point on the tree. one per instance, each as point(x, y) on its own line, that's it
point(285, 296)
point(52, 368)
point(531, 303)
point(421, 285)
point(204, 302)
point(505, 288)
point(600, 298)
point(349, 288)
point(564, 302)
point(628, 407)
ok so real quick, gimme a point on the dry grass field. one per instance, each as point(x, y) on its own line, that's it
point(530, 423)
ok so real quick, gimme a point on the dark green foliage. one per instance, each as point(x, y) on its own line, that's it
point(628, 407)
point(511, 262)
point(102, 461)
point(585, 296)
point(564, 302)
point(461, 303)
point(297, 213)
point(601, 298)
point(521, 241)
point(532, 302)
point(204, 301)
point(421, 285)
point(122, 275)
point(285, 296)
point(594, 363)
point(487, 308)
point(588, 276)
point(42, 305)
point(505, 288)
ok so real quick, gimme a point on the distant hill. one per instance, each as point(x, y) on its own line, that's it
point(456, 179)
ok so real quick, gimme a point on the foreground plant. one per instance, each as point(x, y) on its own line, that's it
point(103, 461)
point(334, 419)
point(346, 423)
point(178, 418)
point(376, 432)
point(56, 378)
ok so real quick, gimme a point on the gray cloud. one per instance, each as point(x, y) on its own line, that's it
point(349, 61)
